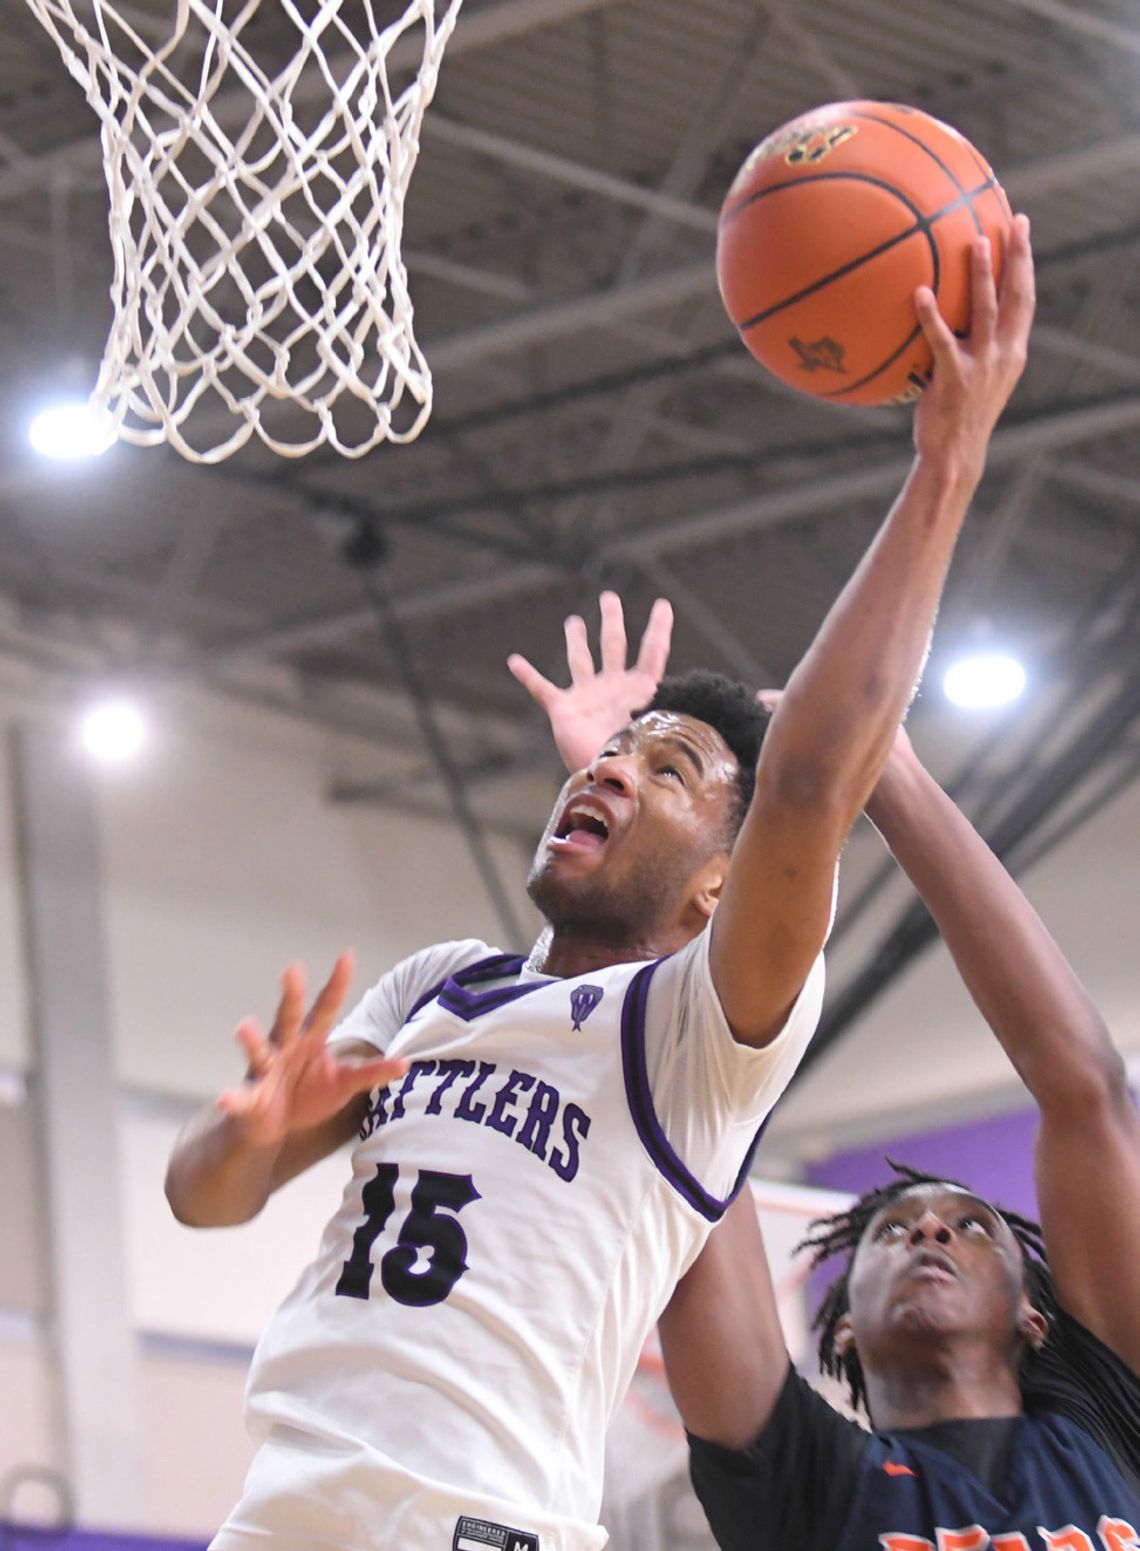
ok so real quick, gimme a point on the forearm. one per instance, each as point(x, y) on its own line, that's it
point(721, 1338)
point(1018, 977)
point(835, 723)
point(216, 1177)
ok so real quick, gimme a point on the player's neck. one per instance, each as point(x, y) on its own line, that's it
point(565, 952)
point(958, 1385)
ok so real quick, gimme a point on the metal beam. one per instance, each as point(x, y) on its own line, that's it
point(722, 99)
point(1009, 444)
point(1072, 347)
point(399, 799)
point(812, 498)
point(1084, 164)
point(475, 30)
point(602, 309)
point(709, 623)
point(560, 169)
point(449, 772)
point(607, 308)
point(597, 310)
point(1075, 19)
point(1115, 488)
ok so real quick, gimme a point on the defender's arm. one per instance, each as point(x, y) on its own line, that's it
point(1088, 1144)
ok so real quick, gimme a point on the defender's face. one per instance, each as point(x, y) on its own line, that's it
point(937, 1261)
point(628, 836)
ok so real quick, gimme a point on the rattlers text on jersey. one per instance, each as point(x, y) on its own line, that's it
point(521, 1205)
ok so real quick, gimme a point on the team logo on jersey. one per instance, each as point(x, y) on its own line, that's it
point(583, 1000)
point(482, 1535)
point(893, 1468)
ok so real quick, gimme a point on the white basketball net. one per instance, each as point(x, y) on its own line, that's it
point(256, 216)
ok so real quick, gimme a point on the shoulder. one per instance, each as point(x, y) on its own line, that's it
point(1076, 1376)
point(792, 1485)
point(427, 967)
point(386, 1006)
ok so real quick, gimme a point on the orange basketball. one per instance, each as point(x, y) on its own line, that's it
point(829, 227)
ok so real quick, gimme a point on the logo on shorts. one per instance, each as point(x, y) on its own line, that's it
point(583, 1000)
point(481, 1534)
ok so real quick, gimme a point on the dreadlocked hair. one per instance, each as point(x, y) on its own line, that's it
point(841, 1234)
point(731, 708)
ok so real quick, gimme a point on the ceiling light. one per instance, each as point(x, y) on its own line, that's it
point(984, 680)
point(71, 431)
point(113, 731)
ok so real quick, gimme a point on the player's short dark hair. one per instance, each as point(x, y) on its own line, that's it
point(732, 709)
point(842, 1233)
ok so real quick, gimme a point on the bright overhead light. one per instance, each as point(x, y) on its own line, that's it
point(71, 431)
point(985, 680)
point(113, 731)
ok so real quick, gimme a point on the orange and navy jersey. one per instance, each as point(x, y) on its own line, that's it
point(1061, 1492)
point(1063, 1476)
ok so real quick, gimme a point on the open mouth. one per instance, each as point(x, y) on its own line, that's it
point(584, 825)
point(930, 1266)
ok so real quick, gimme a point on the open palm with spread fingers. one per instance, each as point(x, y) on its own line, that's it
point(599, 701)
point(295, 1081)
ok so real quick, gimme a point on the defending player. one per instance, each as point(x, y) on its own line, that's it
point(1003, 1393)
point(568, 1128)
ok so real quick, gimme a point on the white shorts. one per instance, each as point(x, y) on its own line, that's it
point(305, 1493)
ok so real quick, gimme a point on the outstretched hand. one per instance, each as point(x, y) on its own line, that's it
point(295, 1081)
point(974, 377)
point(599, 701)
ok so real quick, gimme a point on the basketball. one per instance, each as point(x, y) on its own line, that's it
point(827, 230)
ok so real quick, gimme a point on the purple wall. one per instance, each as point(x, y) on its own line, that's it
point(993, 1157)
point(27, 1537)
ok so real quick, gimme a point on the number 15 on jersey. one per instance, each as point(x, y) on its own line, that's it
point(431, 1229)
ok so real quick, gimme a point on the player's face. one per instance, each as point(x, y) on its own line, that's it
point(630, 837)
point(937, 1262)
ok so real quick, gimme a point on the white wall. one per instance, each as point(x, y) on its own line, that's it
point(222, 861)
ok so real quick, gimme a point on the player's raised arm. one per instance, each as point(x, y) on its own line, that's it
point(299, 1102)
point(724, 1351)
point(832, 731)
point(1088, 1144)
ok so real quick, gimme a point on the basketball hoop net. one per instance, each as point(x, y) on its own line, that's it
point(257, 212)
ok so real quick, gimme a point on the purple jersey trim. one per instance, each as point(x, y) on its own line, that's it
point(454, 997)
point(640, 1100)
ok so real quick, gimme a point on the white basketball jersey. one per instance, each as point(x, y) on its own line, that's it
point(521, 1205)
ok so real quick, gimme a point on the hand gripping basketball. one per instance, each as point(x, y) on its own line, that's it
point(829, 226)
point(974, 377)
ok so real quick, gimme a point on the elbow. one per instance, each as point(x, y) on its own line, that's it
point(195, 1209)
point(812, 790)
point(182, 1205)
point(182, 1213)
point(832, 771)
point(1095, 1086)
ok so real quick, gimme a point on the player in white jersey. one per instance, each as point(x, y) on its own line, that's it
point(542, 1146)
